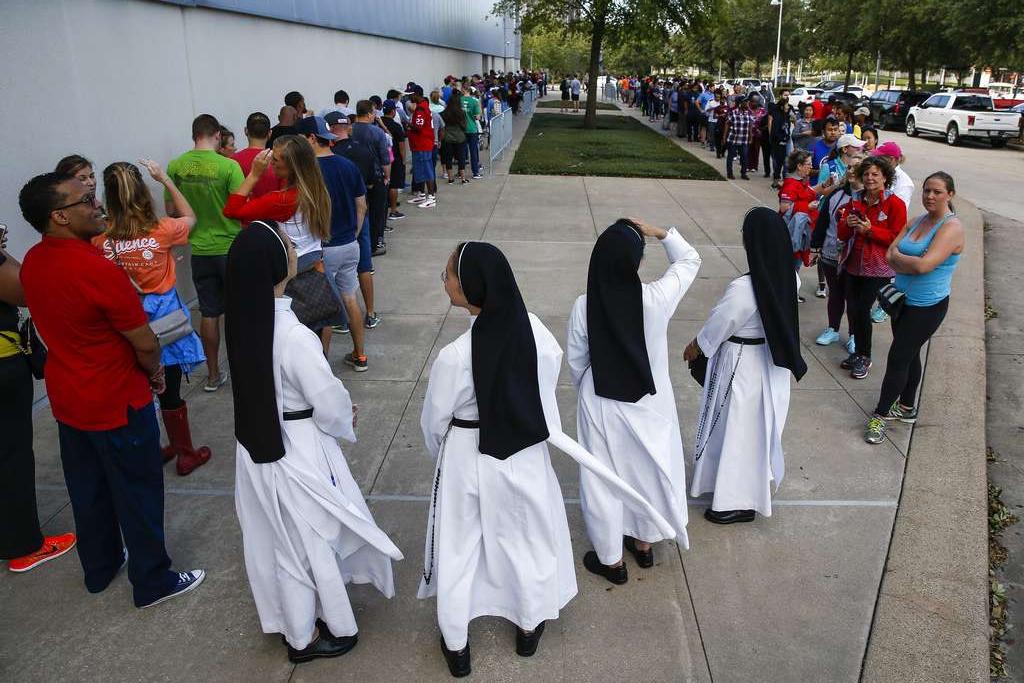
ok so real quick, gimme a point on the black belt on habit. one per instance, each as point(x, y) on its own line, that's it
point(298, 415)
point(746, 341)
point(465, 424)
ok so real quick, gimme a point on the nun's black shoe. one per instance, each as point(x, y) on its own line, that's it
point(729, 516)
point(324, 646)
point(458, 662)
point(526, 643)
point(644, 558)
point(616, 575)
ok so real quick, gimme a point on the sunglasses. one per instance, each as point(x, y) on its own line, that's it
point(89, 199)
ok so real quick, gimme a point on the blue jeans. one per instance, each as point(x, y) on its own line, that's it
point(473, 140)
point(734, 151)
point(115, 480)
point(423, 167)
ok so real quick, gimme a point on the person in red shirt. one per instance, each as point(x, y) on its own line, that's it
point(868, 224)
point(257, 131)
point(421, 142)
point(102, 367)
point(797, 195)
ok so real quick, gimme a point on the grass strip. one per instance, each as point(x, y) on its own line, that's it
point(557, 104)
point(557, 144)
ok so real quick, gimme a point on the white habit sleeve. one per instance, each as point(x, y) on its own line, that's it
point(684, 262)
point(731, 312)
point(306, 368)
point(577, 343)
point(450, 385)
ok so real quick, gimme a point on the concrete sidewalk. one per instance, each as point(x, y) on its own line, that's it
point(783, 599)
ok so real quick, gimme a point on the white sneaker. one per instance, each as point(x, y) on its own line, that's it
point(417, 198)
point(429, 203)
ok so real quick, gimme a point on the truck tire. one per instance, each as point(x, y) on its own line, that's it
point(998, 143)
point(953, 134)
point(911, 127)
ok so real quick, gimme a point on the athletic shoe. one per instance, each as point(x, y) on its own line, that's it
point(902, 413)
point(186, 582)
point(829, 336)
point(800, 299)
point(379, 250)
point(429, 203)
point(821, 292)
point(372, 320)
point(357, 363)
point(388, 227)
point(417, 198)
point(860, 367)
point(215, 383)
point(340, 329)
point(851, 346)
point(874, 433)
point(878, 315)
point(396, 215)
point(848, 362)
point(477, 176)
point(52, 548)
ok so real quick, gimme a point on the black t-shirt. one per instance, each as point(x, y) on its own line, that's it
point(397, 136)
point(360, 155)
point(8, 312)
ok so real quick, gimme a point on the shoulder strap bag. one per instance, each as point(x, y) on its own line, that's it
point(169, 328)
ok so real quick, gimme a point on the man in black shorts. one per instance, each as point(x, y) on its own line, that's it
point(397, 182)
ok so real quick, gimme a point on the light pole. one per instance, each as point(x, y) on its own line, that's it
point(778, 42)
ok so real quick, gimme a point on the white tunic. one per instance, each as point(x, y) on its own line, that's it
point(497, 539)
point(306, 529)
point(738, 451)
point(641, 441)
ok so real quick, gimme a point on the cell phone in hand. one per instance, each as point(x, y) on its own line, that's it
point(3, 234)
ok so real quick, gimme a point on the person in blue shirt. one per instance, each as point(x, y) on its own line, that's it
point(924, 256)
point(825, 144)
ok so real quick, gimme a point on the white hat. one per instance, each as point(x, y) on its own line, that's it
point(849, 140)
point(862, 110)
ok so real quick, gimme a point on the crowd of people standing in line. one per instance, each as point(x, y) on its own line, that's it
point(497, 539)
point(846, 200)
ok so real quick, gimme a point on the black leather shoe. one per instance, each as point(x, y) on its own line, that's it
point(324, 646)
point(458, 662)
point(526, 643)
point(644, 558)
point(729, 516)
point(616, 575)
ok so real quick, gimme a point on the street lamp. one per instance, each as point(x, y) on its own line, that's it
point(778, 42)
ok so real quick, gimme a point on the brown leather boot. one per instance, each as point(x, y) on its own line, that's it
point(189, 457)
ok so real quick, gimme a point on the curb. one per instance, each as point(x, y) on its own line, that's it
point(931, 618)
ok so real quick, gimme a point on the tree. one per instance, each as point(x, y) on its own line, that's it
point(556, 50)
point(598, 20)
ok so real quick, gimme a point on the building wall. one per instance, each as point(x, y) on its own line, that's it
point(123, 79)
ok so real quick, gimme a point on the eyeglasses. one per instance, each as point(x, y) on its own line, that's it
point(89, 199)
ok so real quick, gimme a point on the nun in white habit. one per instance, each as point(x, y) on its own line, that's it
point(617, 351)
point(497, 540)
point(752, 346)
point(306, 530)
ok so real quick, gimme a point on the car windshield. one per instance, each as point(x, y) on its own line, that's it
point(973, 103)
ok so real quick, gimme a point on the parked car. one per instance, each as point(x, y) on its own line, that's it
point(828, 85)
point(803, 95)
point(855, 89)
point(852, 99)
point(960, 114)
point(889, 107)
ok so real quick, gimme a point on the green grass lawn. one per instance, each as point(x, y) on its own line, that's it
point(557, 104)
point(557, 144)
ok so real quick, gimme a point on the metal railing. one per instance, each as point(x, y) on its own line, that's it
point(499, 130)
point(610, 92)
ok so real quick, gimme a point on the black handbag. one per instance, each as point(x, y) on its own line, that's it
point(313, 300)
point(891, 300)
point(31, 346)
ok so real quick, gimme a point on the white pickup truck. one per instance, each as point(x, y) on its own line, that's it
point(963, 114)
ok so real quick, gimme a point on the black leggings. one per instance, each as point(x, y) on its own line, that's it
point(778, 154)
point(19, 533)
point(910, 330)
point(171, 398)
point(861, 295)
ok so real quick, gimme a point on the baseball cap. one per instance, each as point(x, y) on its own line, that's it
point(849, 140)
point(334, 118)
point(315, 125)
point(888, 149)
point(862, 111)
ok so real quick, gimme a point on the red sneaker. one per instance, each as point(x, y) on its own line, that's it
point(53, 547)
